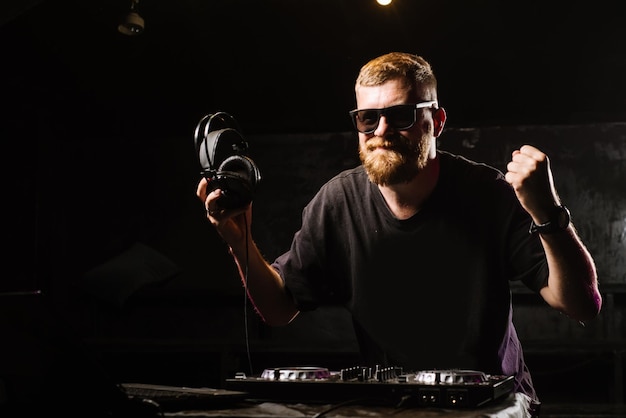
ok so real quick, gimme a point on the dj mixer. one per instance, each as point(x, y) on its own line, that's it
point(437, 388)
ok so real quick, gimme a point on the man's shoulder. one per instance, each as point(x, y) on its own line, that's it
point(350, 175)
point(347, 184)
point(462, 166)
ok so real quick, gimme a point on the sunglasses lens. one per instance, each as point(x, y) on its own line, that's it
point(367, 120)
point(401, 117)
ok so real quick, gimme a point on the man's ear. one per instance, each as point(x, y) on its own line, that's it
point(439, 119)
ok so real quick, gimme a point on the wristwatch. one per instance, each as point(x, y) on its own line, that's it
point(559, 221)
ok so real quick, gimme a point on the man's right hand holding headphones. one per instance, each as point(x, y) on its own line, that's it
point(232, 224)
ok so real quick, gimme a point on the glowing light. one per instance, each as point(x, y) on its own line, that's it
point(384, 2)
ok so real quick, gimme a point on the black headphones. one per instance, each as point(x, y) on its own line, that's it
point(223, 157)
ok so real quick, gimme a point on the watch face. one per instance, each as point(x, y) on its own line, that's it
point(564, 217)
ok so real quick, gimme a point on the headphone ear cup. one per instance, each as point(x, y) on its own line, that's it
point(238, 177)
point(218, 145)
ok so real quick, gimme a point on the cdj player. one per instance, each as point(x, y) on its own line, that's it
point(428, 388)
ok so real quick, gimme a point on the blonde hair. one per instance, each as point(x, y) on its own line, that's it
point(413, 69)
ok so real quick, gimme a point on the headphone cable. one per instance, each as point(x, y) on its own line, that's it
point(245, 299)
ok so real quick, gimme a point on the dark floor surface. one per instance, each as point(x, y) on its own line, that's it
point(573, 410)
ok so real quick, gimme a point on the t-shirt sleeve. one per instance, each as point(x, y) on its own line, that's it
point(306, 268)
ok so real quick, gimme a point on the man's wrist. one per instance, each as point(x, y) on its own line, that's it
point(559, 221)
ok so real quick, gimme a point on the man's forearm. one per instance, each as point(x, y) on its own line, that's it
point(264, 286)
point(572, 282)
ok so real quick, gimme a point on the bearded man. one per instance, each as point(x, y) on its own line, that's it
point(421, 245)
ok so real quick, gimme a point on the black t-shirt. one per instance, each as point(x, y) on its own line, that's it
point(428, 292)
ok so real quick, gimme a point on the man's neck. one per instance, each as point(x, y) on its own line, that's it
point(406, 199)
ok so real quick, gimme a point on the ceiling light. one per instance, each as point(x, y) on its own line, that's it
point(132, 24)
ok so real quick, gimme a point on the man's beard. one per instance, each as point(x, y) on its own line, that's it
point(401, 161)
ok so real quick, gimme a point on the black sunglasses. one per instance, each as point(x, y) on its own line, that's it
point(399, 117)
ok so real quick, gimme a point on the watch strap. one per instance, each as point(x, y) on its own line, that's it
point(558, 222)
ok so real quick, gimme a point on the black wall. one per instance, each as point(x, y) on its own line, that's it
point(81, 201)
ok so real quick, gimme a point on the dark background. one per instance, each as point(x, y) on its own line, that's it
point(97, 126)
point(99, 169)
point(289, 66)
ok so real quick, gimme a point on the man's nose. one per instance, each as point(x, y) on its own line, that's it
point(382, 127)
